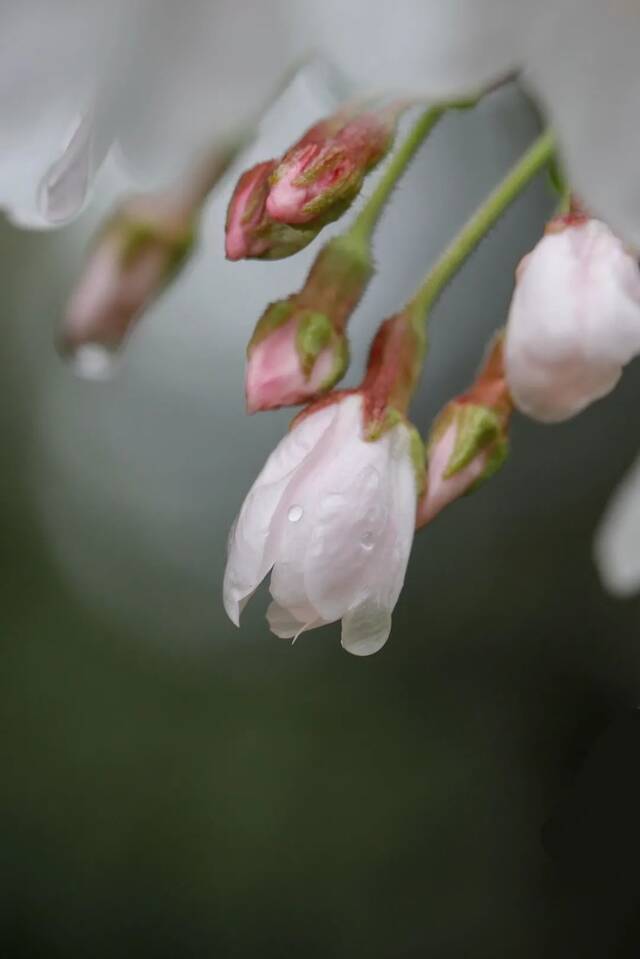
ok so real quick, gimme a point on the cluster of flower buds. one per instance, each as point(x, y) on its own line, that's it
point(333, 513)
point(279, 206)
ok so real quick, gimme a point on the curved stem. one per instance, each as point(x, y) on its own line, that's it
point(364, 224)
point(441, 273)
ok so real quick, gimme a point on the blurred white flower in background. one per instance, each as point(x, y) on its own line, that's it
point(160, 78)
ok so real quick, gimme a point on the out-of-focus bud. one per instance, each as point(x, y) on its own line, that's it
point(250, 232)
point(137, 252)
point(299, 348)
point(468, 441)
point(574, 320)
point(140, 249)
point(321, 175)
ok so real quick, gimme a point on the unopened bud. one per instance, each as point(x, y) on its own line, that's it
point(468, 441)
point(250, 232)
point(320, 176)
point(299, 348)
point(574, 321)
point(295, 354)
point(138, 251)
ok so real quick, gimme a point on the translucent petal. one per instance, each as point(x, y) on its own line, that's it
point(617, 540)
point(583, 67)
point(249, 559)
point(366, 629)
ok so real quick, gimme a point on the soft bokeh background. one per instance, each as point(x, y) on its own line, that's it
point(172, 787)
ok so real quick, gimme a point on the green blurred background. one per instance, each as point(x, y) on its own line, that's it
point(172, 787)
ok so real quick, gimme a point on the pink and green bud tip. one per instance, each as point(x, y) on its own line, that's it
point(299, 349)
point(320, 176)
point(250, 233)
point(468, 442)
point(138, 251)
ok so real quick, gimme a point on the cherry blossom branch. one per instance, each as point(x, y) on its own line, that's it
point(539, 155)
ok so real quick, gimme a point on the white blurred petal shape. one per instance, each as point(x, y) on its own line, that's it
point(617, 541)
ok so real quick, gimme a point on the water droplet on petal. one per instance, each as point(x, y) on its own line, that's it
point(91, 361)
point(368, 540)
point(295, 514)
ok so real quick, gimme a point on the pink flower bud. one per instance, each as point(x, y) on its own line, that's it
point(574, 320)
point(299, 348)
point(250, 232)
point(322, 174)
point(137, 252)
point(293, 362)
point(468, 441)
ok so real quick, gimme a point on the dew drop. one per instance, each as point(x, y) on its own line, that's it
point(93, 362)
point(295, 514)
point(368, 540)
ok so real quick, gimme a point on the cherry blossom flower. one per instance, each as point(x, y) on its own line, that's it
point(574, 320)
point(332, 515)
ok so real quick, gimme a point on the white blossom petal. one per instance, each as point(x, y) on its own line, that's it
point(283, 624)
point(584, 68)
point(249, 560)
point(438, 48)
point(617, 541)
point(365, 629)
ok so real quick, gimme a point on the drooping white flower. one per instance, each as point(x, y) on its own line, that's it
point(574, 320)
point(332, 515)
point(160, 77)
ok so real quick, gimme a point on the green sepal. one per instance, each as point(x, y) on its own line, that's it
point(275, 315)
point(496, 457)
point(376, 428)
point(340, 363)
point(477, 427)
point(313, 334)
point(418, 456)
point(135, 237)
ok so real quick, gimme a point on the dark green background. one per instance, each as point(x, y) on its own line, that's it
point(170, 787)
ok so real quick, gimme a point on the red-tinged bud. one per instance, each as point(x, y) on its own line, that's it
point(468, 441)
point(136, 254)
point(250, 232)
point(393, 369)
point(299, 349)
point(320, 176)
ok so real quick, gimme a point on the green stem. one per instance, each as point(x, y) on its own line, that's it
point(448, 264)
point(364, 224)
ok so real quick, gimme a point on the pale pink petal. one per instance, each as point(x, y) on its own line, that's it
point(249, 560)
point(584, 68)
point(365, 629)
